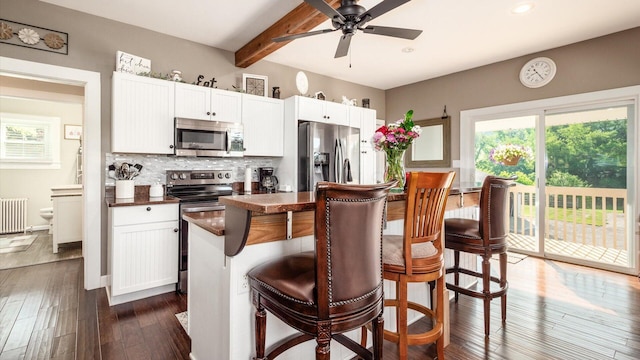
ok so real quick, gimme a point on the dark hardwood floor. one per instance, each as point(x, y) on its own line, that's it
point(555, 311)
point(40, 252)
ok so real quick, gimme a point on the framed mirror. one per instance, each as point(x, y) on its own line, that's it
point(433, 147)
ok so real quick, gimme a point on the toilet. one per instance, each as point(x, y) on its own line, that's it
point(47, 214)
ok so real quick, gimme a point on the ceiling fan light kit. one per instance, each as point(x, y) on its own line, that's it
point(351, 17)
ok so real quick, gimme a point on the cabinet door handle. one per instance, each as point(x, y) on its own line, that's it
point(175, 230)
point(148, 208)
point(170, 146)
point(208, 112)
point(213, 114)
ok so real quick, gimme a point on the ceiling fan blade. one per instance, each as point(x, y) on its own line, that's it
point(381, 8)
point(343, 45)
point(326, 9)
point(301, 35)
point(393, 31)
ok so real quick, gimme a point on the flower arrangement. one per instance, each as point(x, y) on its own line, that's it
point(398, 135)
point(394, 139)
point(509, 154)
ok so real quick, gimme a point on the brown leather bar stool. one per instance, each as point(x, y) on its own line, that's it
point(334, 289)
point(485, 237)
point(417, 256)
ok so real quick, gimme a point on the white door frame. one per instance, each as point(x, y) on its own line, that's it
point(467, 133)
point(92, 188)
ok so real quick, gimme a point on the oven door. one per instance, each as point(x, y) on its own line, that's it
point(183, 245)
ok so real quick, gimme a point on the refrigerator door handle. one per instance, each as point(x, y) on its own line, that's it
point(348, 177)
point(336, 162)
point(340, 163)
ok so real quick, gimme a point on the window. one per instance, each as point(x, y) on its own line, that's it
point(29, 142)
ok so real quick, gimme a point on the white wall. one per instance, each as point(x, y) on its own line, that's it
point(35, 184)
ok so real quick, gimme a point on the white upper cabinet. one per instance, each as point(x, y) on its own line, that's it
point(322, 111)
point(263, 124)
point(199, 102)
point(365, 119)
point(142, 114)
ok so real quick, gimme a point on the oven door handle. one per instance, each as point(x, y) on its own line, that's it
point(203, 208)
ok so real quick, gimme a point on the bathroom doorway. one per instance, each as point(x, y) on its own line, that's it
point(41, 150)
point(92, 174)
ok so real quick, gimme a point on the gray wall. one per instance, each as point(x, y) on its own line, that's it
point(606, 62)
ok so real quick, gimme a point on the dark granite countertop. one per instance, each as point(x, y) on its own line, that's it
point(141, 197)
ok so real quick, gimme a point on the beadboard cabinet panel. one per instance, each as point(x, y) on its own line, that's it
point(142, 115)
point(263, 124)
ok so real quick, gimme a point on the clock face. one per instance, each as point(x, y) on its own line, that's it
point(537, 72)
point(255, 86)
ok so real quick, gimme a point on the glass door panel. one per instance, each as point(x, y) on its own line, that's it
point(491, 137)
point(586, 203)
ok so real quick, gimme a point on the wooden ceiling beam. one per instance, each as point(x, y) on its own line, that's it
point(301, 19)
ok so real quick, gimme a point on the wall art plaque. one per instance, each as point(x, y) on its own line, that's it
point(33, 37)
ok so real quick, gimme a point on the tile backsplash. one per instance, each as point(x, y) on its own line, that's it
point(155, 166)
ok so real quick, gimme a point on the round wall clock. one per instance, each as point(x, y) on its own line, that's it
point(537, 72)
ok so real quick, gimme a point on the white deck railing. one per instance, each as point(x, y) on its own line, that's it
point(586, 216)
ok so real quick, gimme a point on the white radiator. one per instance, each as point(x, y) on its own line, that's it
point(13, 215)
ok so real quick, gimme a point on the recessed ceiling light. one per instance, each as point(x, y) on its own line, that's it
point(522, 8)
point(408, 49)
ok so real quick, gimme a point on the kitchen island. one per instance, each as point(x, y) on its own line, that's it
point(255, 229)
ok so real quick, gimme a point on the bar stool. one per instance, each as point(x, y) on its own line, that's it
point(328, 291)
point(417, 256)
point(485, 237)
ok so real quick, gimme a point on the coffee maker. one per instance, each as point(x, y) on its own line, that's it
point(267, 182)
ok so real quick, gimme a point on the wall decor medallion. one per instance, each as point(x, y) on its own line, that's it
point(255, 84)
point(33, 37)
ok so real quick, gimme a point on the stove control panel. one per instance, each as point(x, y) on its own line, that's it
point(199, 177)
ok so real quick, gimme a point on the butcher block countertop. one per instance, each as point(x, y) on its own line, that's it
point(272, 203)
point(212, 221)
point(303, 201)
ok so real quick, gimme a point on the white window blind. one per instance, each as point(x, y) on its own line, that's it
point(29, 141)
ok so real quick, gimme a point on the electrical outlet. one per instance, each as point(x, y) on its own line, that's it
point(243, 284)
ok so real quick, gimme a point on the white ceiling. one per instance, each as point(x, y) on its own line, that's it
point(457, 34)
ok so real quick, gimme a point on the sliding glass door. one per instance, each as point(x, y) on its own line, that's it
point(576, 197)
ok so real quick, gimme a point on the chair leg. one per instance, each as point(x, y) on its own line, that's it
point(486, 290)
point(363, 336)
point(261, 328)
point(456, 271)
point(432, 285)
point(378, 336)
point(401, 318)
point(503, 283)
point(440, 315)
point(323, 341)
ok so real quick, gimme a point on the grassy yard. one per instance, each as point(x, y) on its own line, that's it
point(591, 217)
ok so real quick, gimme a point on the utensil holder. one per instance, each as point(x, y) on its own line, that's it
point(125, 189)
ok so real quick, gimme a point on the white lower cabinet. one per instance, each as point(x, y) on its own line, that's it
point(67, 219)
point(143, 251)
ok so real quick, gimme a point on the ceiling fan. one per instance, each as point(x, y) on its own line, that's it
point(350, 17)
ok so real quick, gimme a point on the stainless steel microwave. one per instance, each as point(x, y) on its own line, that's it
point(208, 138)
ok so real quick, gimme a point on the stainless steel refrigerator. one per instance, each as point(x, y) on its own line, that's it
point(327, 152)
